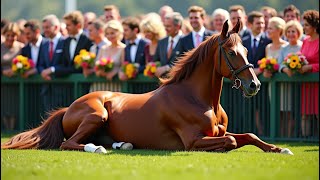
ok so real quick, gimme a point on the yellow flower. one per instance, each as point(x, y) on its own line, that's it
point(78, 59)
point(263, 65)
point(299, 66)
point(295, 59)
point(83, 52)
point(14, 68)
point(153, 69)
point(273, 61)
point(292, 65)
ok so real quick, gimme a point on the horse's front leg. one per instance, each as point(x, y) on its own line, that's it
point(252, 139)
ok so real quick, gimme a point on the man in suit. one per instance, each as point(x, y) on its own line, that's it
point(35, 44)
point(200, 33)
point(51, 58)
point(76, 41)
point(134, 51)
point(238, 12)
point(257, 41)
point(256, 44)
point(167, 49)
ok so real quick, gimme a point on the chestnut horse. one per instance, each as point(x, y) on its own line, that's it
point(184, 113)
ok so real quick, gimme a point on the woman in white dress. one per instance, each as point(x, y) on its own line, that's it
point(114, 51)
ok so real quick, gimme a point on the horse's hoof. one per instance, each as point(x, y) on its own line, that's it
point(101, 150)
point(126, 146)
point(286, 151)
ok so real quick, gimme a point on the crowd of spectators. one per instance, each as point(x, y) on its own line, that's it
point(54, 42)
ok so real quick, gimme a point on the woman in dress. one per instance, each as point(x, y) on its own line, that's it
point(114, 51)
point(10, 48)
point(293, 32)
point(310, 91)
point(153, 29)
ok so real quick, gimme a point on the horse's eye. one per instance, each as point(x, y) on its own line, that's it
point(231, 53)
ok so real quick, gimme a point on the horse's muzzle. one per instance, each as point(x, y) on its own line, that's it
point(250, 89)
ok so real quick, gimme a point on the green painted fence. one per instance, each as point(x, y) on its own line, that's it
point(273, 114)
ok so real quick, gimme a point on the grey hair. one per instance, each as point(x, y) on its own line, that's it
point(176, 17)
point(222, 12)
point(54, 21)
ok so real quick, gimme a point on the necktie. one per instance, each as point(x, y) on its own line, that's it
point(198, 41)
point(97, 50)
point(170, 49)
point(254, 47)
point(51, 50)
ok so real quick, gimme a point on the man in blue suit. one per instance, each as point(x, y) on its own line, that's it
point(134, 51)
point(257, 41)
point(35, 44)
point(167, 49)
point(256, 44)
point(199, 33)
point(50, 63)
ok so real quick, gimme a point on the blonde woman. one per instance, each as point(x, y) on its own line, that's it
point(114, 51)
point(10, 48)
point(275, 30)
point(153, 29)
point(293, 32)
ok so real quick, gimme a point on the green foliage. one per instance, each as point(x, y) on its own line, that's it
point(16, 9)
point(245, 163)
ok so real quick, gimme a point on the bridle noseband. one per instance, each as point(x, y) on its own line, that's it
point(237, 81)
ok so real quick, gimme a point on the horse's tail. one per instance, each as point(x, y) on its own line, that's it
point(49, 135)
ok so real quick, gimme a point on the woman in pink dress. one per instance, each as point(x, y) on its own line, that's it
point(310, 91)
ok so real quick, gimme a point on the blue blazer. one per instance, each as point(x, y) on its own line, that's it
point(161, 52)
point(140, 55)
point(83, 43)
point(187, 41)
point(261, 52)
point(57, 59)
point(26, 51)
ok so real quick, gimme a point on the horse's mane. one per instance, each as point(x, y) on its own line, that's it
point(185, 65)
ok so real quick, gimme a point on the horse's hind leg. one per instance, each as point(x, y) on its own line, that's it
point(90, 124)
point(251, 139)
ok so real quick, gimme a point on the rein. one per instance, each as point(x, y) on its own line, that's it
point(236, 81)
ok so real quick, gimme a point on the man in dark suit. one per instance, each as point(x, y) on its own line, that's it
point(167, 49)
point(134, 51)
point(50, 61)
point(199, 33)
point(238, 12)
point(76, 41)
point(256, 44)
point(35, 44)
point(257, 41)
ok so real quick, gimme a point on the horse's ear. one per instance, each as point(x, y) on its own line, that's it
point(237, 27)
point(225, 29)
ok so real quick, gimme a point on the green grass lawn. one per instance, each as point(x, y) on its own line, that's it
point(245, 163)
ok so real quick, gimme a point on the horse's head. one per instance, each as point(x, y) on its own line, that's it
point(233, 62)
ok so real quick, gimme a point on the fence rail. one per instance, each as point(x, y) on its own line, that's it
point(274, 113)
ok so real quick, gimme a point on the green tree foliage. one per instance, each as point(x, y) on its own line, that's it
point(30, 9)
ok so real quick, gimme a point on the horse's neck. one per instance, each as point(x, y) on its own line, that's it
point(207, 84)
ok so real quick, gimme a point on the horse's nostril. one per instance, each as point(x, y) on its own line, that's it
point(253, 85)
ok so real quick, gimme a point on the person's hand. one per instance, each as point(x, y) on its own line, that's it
point(160, 70)
point(86, 72)
point(267, 73)
point(8, 72)
point(305, 68)
point(257, 71)
point(109, 76)
point(45, 74)
point(99, 73)
point(122, 76)
point(287, 71)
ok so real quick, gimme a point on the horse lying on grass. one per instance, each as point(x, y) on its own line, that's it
point(184, 113)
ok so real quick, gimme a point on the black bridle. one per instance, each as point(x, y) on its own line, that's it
point(236, 81)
